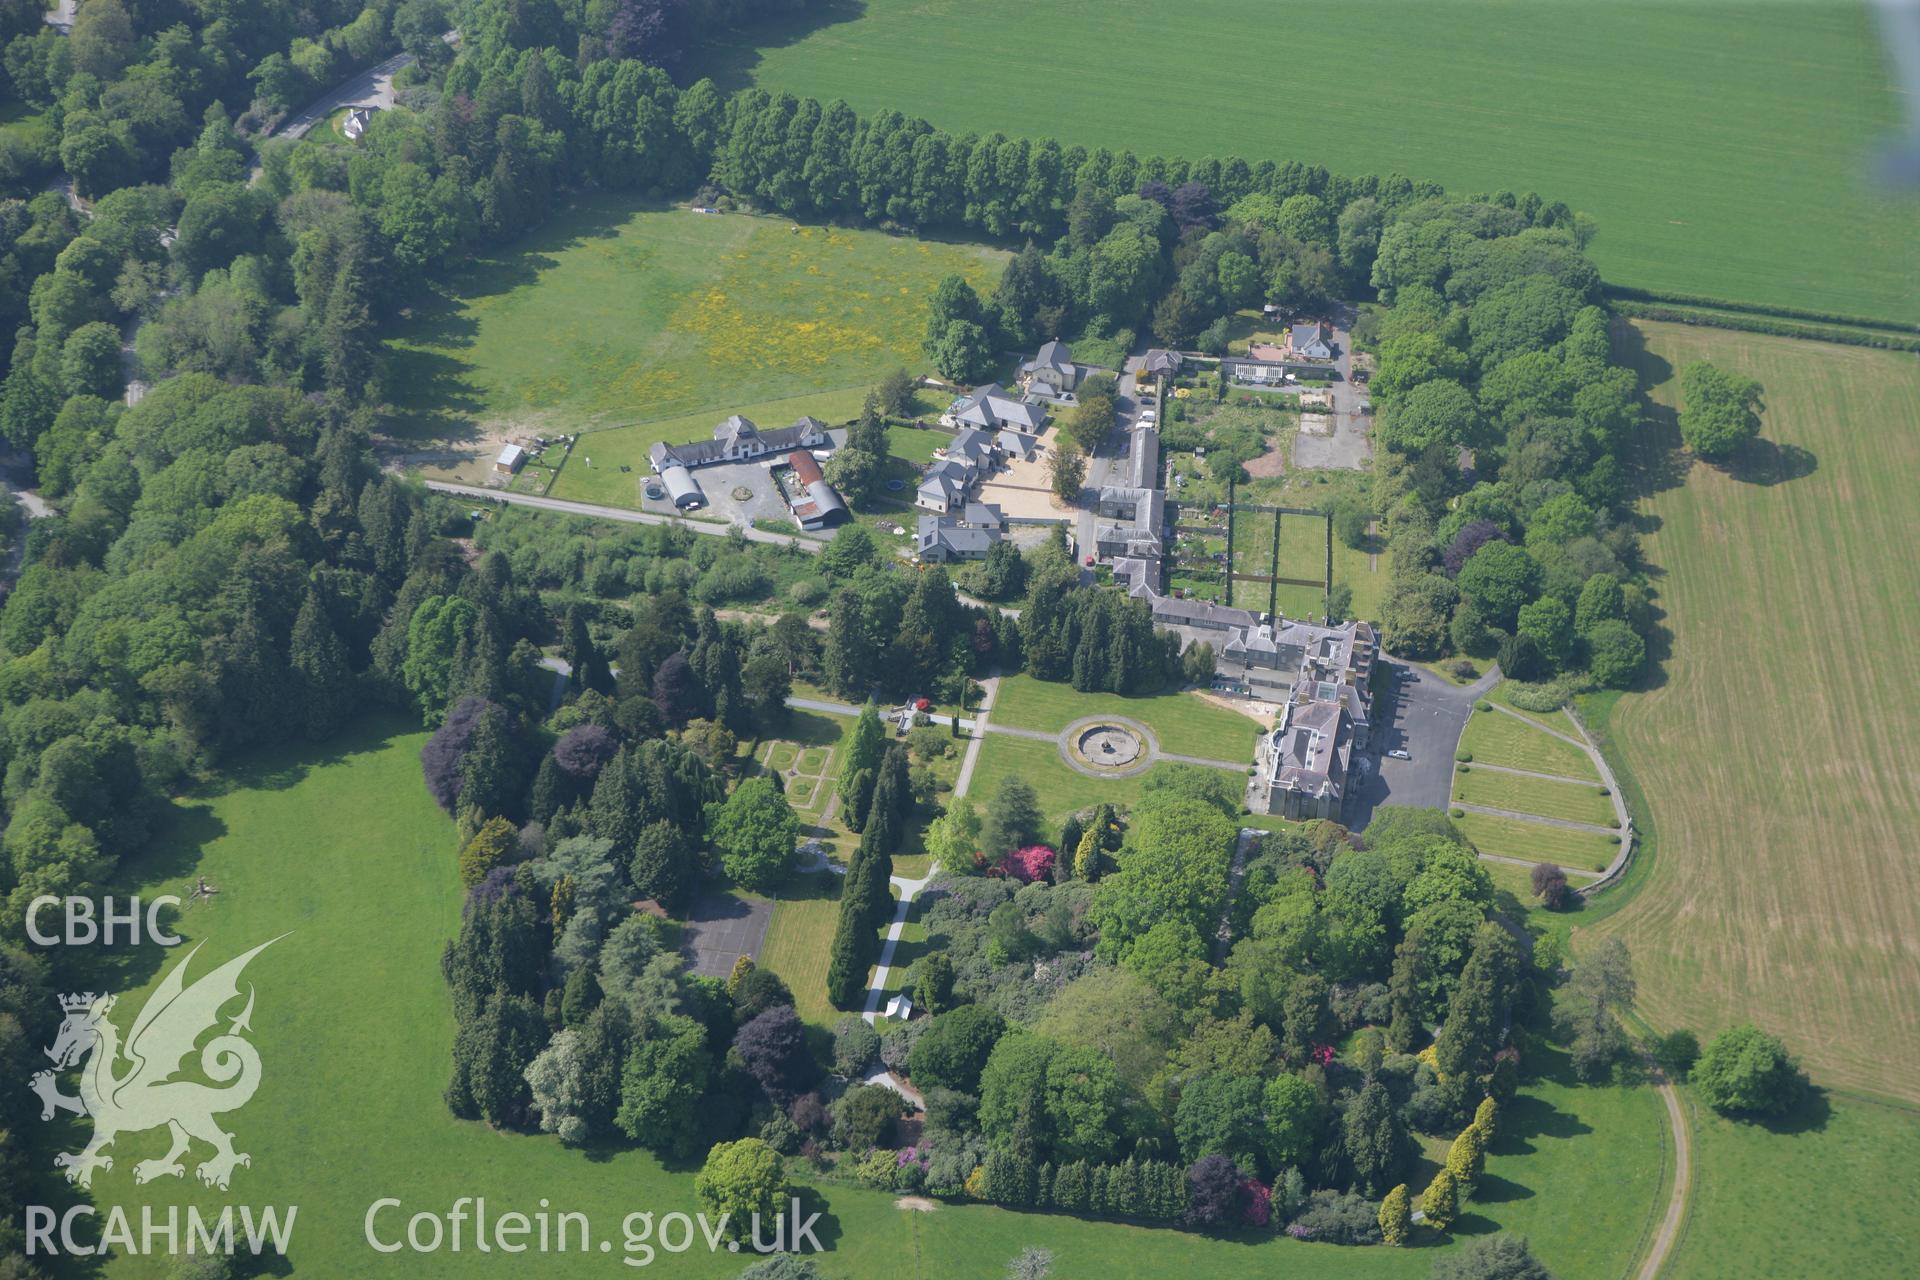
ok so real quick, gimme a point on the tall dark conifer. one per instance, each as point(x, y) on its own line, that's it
point(319, 662)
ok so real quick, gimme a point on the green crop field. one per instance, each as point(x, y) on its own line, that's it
point(1720, 146)
point(1494, 738)
point(662, 321)
point(1574, 801)
point(1537, 841)
point(1779, 742)
point(1184, 723)
point(344, 848)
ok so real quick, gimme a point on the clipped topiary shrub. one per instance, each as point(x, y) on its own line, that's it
point(1456, 812)
point(1483, 705)
point(1464, 757)
point(1538, 698)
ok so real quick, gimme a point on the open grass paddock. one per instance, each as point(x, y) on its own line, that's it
point(1828, 1192)
point(1779, 742)
point(612, 315)
point(1720, 146)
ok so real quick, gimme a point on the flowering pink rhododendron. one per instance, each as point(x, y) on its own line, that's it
point(1035, 862)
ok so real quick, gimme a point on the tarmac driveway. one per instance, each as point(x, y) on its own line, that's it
point(1422, 716)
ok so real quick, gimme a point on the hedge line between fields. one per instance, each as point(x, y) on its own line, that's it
point(1767, 325)
point(1631, 294)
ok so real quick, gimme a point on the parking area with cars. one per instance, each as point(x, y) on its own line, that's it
point(1417, 721)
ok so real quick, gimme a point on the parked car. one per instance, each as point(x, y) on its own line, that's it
point(1400, 753)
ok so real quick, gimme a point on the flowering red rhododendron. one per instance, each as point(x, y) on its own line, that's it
point(1259, 1210)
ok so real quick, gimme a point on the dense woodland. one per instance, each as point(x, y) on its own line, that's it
point(227, 569)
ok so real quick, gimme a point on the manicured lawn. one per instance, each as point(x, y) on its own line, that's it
point(1574, 801)
point(1537, 842)
point(16, 117)
point(1267, 822)
point(806, 755)
point(916, 444)
point(1184, 723)
point(1667, 123)
point(1060, 790)
point(1302, 556)
point(800, 941)
point(1495, 738)
point(1779, 770)
point(614, 315)
point(343, 852)
point(810, 742)
point(1303, 547)
point(913, 945)
point(343, 848)
point(1576, 1169)
point(1518, 883)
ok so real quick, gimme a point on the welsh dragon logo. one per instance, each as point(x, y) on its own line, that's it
point(131, 1087)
